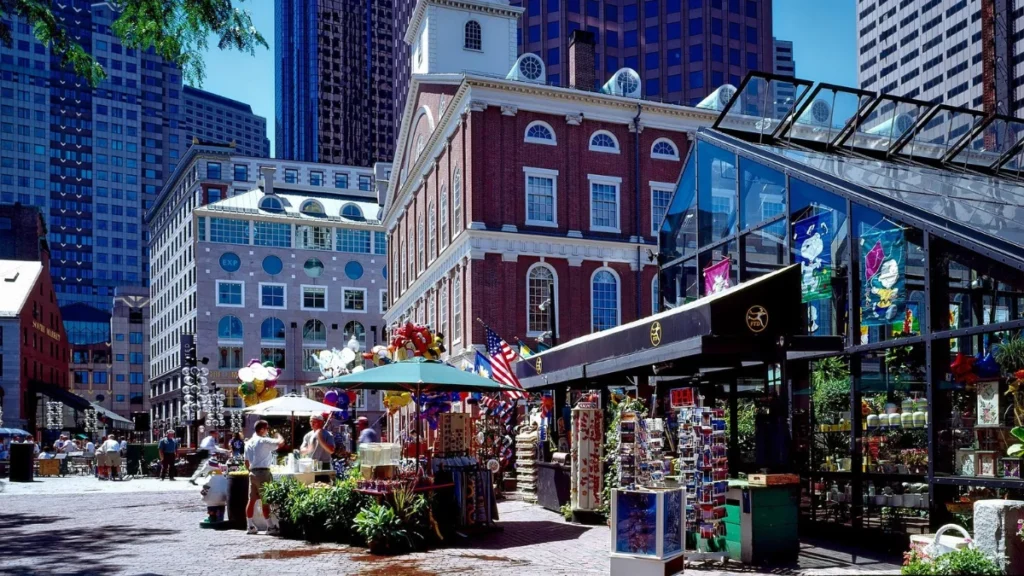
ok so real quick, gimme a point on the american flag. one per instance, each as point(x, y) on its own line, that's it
point(502, 356)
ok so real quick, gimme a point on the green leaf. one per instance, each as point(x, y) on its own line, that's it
point(1015, 450)
point(1018, 433)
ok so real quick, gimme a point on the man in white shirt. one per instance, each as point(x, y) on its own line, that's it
point(89, 450)
point(260, 455)
point(318, 443)
point(210, 445)
point(124, 445)
point(111, 449)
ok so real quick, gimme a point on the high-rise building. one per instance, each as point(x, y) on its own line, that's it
point(783, 65)
point(950, 51)
point(213, 118)
point(333, 63)
point(683, 50)
point(92, 159)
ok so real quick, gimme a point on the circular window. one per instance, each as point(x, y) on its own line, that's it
point(272, 265)
point(384, 271)
point(313, 267)
point(230, 262)
point(354, 270)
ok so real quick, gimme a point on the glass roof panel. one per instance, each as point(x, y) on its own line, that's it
point(998, 137)
point(760, 105)
point(936, 137)
point(990, 205)
point(887, 120)
point(824, 117)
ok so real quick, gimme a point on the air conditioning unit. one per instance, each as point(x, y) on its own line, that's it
point(625, 82)
point(528, 68)
point(718, 99)
point(819, 113)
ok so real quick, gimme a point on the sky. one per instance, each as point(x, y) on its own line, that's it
point(823, 34)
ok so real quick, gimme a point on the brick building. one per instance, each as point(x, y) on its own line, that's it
point(503, 185)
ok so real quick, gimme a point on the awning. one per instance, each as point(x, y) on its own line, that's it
point(758, 320)
point(61, 395)
point(116, 420)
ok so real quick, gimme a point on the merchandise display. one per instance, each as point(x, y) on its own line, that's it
point(704, 473)
point(587, 454)
point(526, 461)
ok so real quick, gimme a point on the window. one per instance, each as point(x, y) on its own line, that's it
point(352, 211)
point(213, 170)
point(313, 208)
point(230, 357)
point(540, 280)
point(230, 293)
point(473, 39)
point(135, 358)
point(272, 330)
point(456, 203)
point(541, 197)
point(353, 241)
point(273, 295)
point(355, 329)
point(229, 328)
point(354, 270)
point(655, 296)
point(272, 234)
point(604, 203)
point(341, 180)
point(604, 141)
point(135, 338)
point(664, 149)
point(271, 204)
point(420, 243)
point(380, 243)
point(353, 299)
point(457, 307)
point(365, 182)
point(661, 194)
point(443, 307)
point(384, 301)
point(291, 175)
point(275, 355)
point(540, 133)
point(314, 337)
point(241, 173)
point(314, 297)
point(313, 237)
point(431, 231)
point(229, 231)
point(604, 299)
point(316, 178)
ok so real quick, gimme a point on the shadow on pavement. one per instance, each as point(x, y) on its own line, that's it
point(74, 550)
point(516, 534)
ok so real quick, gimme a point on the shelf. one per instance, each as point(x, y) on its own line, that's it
point(984, 481)
point(872, 476)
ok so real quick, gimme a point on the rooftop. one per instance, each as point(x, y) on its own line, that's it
point(304, 205)
point(223, 101)
point(17, 278)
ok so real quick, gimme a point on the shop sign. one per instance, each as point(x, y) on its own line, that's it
point(46, 330)
point(656, 333)
point(680, 397)
point(223, 375)
point(757, 318)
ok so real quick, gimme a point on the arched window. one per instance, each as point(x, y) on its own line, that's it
point(432, 310)
point(271, 204)
point(229, 328)
point(456, 307)
point(419, 146)
point(655, 296)
point(456, 203)
point(412, 258)
point(604, 141)
point(403, 281)
point(540, 282)
point(356, 329)
point(664, 149)
point(443, 216)
point(272, 329)
point(314, 333)
point(540, 133)
point(421, 243)
point(431, 230)
point(473, 38)
point(352, 211)
point(604, 300)
point(312, 208)
point(443, 308)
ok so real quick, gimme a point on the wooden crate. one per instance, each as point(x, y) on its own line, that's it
point(772, 479)
point(49, 467)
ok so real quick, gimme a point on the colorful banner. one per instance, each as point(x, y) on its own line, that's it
point(883, 255)
point(813, 240)
point(716, 277)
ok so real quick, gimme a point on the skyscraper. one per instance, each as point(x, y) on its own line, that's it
point(333, 63)
point(91, 158)
point(214, 118)
point(683, 50)
point(783, 65)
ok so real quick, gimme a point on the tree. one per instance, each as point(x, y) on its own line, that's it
point(178, 30)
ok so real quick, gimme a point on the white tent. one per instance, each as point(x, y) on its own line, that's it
point(289, 406)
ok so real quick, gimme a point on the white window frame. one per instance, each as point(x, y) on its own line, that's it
point(541, 173)
point(553, 141)
point(655, 300)
point(366, 303)
point(302, 297)
point(382, 300)
point(674, 157)
point(618, 296)
point(284, 306)
point(273, 343)
point(615, 181)
point(554, 275)
point(660, 187)
point(590, 143)
point(456, 325)
point(219, 304)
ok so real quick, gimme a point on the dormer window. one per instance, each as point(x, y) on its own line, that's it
point(271, 204)
point(540, 133)
point(352, 212)
point(312, 208)
point(473, 37)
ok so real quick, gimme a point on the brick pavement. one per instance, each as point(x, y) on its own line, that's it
point(156, 532)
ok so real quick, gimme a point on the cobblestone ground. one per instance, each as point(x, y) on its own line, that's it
point(141, 527)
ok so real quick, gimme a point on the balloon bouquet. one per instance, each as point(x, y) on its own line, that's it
point(259, 382)
point(410, 341)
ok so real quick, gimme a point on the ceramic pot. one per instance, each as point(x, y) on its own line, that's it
point(907, 419)
point(920, 418)
point(894, 419)
point(881, 500)
point(872, 421)
point(896, 500)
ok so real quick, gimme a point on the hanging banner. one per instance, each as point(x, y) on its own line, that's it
point(813, 239)
point(716, 277)
point(883, 255)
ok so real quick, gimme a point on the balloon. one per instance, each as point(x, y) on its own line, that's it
point(344, 414)
point(347, 356)
point(357, 369)
point(245, 374)
point(269, 364)
point(260, 372)
point(268, 394)
point(258, 385)
point(352, 396)
point(331, 398)
point(343, 400)
point(250, 399)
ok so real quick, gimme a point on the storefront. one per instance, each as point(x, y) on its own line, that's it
point(903, 223)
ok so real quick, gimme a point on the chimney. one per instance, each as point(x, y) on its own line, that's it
point(581, 60)
point(267, 174)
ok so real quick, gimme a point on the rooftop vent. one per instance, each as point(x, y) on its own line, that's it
point(718, 99)
point(893, 127)
point(625, 82)
point(528, 68)
point(11, 276)
point(818, 114)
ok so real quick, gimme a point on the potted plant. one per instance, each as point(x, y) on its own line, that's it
point(1010, 357)
point(382, 529)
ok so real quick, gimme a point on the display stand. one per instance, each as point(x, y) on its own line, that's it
point(704, 473)
point(587, 481)
point(526, 465)
point(647, 531)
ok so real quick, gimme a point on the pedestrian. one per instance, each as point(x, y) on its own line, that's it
point(260, 455)
point(89, 450)
point(123, 447)
point(367, 434)
point(318, 443)
point(168, 448)
point(111, 449)
point(210, 447)
point(237, 445)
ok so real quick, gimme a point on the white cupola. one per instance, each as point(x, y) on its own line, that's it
point(456, 36)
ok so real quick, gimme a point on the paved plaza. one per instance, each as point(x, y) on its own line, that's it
point(82, 526)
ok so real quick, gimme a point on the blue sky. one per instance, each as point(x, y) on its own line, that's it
point(823, 34)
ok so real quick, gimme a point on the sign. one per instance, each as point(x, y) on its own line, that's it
point(812, 238)
point(230, 262)
point(540, 365)
point(757, 318)
point(679, 397)
point(656, 333)
point(46, 330)
point(884, 298)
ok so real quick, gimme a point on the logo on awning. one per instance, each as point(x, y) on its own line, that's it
point(757, 318)
point(539, 365)
point(656, 333)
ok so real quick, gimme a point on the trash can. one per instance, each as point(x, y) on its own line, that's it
point(238, 497)
point(136, 466)
point(22, 460)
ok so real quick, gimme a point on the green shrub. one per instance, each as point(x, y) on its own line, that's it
point(278, 495)
point(383, 530)
point(964, 562)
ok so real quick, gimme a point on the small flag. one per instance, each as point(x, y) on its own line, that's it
point(502, 356)
point(524, 350)
point(542, 347)
point(482, 365)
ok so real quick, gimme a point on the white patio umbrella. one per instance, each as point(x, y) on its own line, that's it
point(290, 406)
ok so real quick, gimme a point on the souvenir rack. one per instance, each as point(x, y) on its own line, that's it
point(704, 472)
